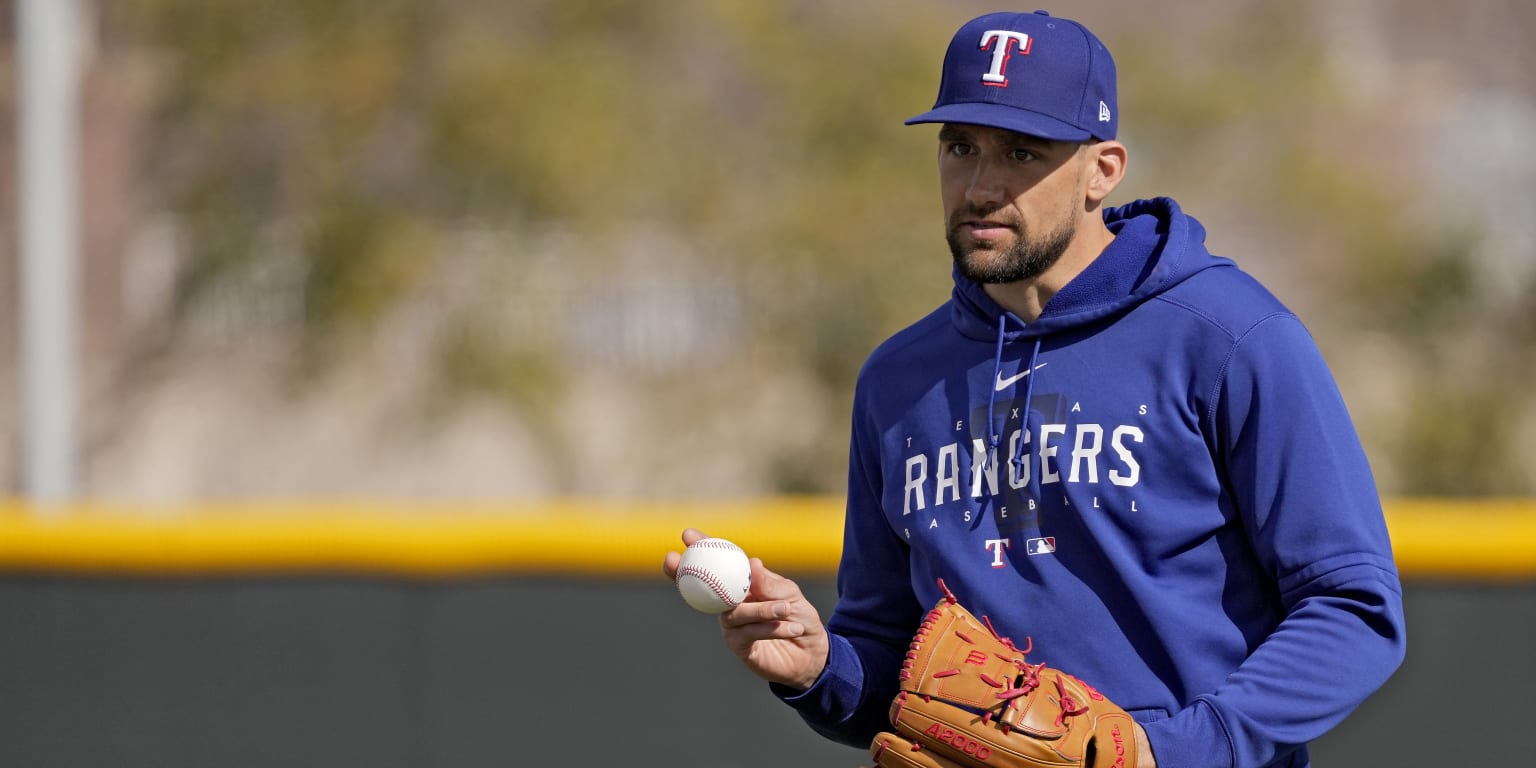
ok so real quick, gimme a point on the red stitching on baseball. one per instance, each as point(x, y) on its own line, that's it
point(709, 580)
point(716, 544)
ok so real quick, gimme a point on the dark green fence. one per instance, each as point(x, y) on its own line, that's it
point(291, 671)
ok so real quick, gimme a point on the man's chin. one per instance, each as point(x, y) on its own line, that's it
point(979, 264)
point(975, 275)
point(998, 269)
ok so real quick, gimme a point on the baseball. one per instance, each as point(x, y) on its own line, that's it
point(714, 575)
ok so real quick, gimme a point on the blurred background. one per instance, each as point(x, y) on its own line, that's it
point(472, 249)
point(465, 259)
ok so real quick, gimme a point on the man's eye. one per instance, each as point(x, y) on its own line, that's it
point(1022, 155)
point(960, 149)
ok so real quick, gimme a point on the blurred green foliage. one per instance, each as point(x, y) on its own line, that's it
point(748, 128)
point(767, 136)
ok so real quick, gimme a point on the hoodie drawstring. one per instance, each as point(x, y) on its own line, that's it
point(994, 434)
point(997, 376)
point(1029, 395)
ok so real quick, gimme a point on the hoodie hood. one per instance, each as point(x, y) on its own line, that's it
point(1156, 247)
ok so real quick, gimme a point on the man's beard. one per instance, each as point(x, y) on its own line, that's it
point(1027, 259)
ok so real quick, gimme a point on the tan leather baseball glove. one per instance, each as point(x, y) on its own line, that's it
point(968, 698)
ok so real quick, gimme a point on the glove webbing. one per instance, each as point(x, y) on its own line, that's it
point(1028, 679)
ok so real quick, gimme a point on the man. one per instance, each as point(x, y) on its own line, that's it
point(1107, 440)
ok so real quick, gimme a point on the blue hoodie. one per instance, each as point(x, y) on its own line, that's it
point(1156, 481)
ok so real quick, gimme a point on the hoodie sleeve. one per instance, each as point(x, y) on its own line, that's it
point(876, 611)
point(1304, 493)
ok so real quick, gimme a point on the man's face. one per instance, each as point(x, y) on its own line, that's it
point(1011, 201)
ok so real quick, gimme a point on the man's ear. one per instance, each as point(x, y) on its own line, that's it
point(1106, 170)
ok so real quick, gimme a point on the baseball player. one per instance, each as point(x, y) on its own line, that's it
point(1107, 441)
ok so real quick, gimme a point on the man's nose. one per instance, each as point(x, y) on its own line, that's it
point(986, 188)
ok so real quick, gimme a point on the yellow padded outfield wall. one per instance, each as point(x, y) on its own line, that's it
point(1461, 539)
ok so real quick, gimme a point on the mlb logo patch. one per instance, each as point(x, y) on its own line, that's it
point(1040, 546)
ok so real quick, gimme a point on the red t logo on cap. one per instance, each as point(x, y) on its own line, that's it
point(997, 75)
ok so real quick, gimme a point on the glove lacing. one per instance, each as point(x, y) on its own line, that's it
point(1009, 690)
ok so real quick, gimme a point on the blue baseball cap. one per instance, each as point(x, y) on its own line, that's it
point(1031, 73)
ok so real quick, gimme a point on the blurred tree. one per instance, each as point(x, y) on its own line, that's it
point(365, 142)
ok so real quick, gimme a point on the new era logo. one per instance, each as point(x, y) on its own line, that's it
point(1040, 546)
point(1103, 112)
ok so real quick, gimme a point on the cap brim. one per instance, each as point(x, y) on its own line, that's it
point(1004, 117)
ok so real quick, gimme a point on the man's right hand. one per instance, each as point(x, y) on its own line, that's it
point(776, 632)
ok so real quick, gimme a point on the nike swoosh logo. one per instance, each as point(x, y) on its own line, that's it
point(1003, 383)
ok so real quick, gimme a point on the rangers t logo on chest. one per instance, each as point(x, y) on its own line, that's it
point(1000, 42)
